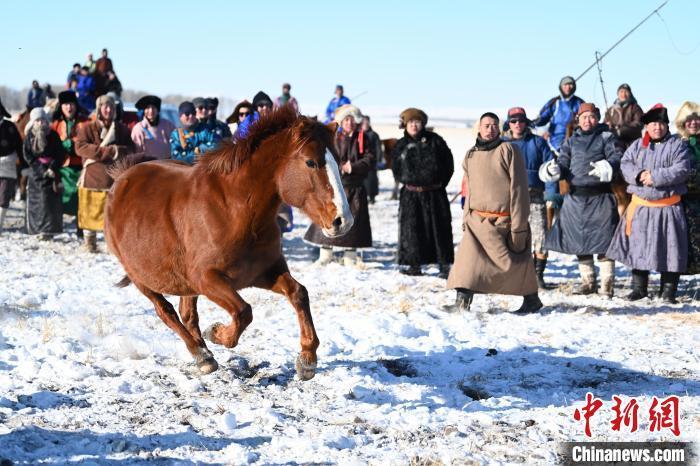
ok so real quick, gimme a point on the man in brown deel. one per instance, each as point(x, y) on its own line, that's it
point(494, 255)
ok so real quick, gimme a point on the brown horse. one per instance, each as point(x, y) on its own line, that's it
point(211, 230)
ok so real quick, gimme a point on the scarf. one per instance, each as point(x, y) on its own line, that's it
point(39, 137)
point(486, 145)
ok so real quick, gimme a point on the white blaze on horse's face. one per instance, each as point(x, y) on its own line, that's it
point(343, 217)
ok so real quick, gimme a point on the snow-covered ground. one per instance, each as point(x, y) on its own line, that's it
point(90, 375)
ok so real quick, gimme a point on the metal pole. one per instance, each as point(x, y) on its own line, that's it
point(600, 75)
point(623, 38)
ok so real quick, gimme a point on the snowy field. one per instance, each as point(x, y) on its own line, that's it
point(90, 375)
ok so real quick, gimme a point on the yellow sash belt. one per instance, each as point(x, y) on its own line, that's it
point(638, 201)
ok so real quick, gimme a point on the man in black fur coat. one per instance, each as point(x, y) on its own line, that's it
point(423, 163)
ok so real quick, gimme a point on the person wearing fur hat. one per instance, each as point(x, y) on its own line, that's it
point(494, 254)
point(192, 139)
point(653, 234)
point(624, 117)
point(336, 102)
point(65, 121)
point(240, 113)
point(219, 129)
point(688, 126)
point(151, 135)
point(535, 151)
point(286, 98)
point(44, 154)
point(356, 158)
point(100, 143)
point(588, 160)
point(423, 163)
point(10, 155)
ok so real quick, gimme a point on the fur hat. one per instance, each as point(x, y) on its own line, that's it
point(211, 103)
point(3, 112)
point(657, 113)
point(185, 107)
point(67, 97)
point(686, 110)
point(147, 100)
point(199, 102)
point(105, 99)
point(233, 118)
point(412, 113)
point(261, 99)
point(37, 113)
point(348, 110)
point(587, 107)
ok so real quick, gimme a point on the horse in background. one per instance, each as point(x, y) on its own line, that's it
point(388, 145)
point(211, 229)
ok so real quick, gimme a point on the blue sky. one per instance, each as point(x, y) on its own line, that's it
point(433, 54)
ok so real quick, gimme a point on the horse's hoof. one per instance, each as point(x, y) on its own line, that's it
point(205, 361)
point(207, 366)
point(305, 370)
point(209, 332)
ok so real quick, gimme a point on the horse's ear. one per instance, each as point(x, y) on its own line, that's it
point(333, 127)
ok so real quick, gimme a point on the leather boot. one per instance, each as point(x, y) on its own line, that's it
point(325, 256)
point(90, 238)
point(462, 303)
point(3, 213)
point(531, 303)
point(540, 265)
point(607, 277)
point(640, 282)
point(588, 282)
point(669, 287)
point(412, 270)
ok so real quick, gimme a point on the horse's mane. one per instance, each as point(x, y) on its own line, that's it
point(228, 157)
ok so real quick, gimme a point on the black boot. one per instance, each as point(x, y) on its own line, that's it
point(640, 282)
point(444, 271)
point(462, 303)
point(669, 287)
point(531, 303)
point(412, 270)
point(540, 265)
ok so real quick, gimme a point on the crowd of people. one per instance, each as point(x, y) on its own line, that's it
point(524, 194)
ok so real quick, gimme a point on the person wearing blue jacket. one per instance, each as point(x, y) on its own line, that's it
point(535, 152)
point(560, 112)
point(192, 139)
point(336, 102)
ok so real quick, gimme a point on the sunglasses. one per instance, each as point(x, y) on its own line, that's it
point(243, 114)
point(188, 114)
point(516, 120)
point(201, 108)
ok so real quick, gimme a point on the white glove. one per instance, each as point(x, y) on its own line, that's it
point(49, 174)
point(550, 171)
point(603, 170)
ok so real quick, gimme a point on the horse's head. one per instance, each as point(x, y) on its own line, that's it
point(310, 179)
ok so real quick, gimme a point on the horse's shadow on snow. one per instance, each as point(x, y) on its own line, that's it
point(479, 379)
point(37, 445)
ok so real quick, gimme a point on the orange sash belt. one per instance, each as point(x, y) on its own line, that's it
point(638, 201)
point(486, 214)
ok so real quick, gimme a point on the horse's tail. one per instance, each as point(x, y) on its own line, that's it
point(123, 164)
point(120, 166)
point(124, 282)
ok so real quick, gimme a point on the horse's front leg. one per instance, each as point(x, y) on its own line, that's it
point(220, 290)
point(279, 280)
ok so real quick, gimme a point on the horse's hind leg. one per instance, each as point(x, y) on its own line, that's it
point(195, 345)
point(221, 291)
point(279, 280)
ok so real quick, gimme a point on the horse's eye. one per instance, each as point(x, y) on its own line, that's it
point(311, 164)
